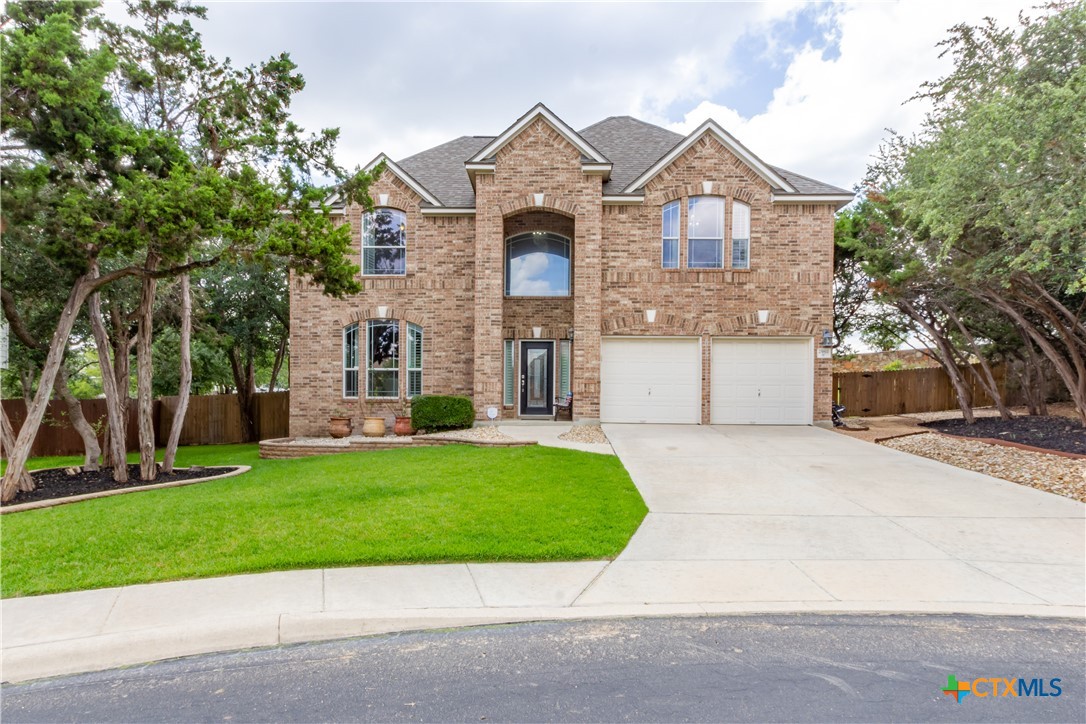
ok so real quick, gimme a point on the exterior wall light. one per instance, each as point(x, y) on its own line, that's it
point(569, 333)
point(827, 338)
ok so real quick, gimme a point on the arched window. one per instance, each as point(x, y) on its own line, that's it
point(537, 265)
point(705, 232)
point(384, 242)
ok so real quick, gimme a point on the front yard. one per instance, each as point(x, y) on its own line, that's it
point(439, 504)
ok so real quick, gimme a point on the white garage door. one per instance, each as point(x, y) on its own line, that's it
point(761, 381)
point(650, 379)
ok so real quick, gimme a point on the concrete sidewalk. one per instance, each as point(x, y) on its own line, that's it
point(741, 520)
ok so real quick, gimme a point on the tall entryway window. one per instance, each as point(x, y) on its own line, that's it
point(537, 265)
point(537, 378)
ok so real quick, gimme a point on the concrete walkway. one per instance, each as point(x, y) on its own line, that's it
point(742, 520)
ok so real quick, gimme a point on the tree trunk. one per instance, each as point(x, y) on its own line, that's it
point(185, 385)
point(20, 451)
point(91, 449)
point(25, 483)
point(116, 407)
point(946, 359)
point(245, 384)
point(144, 374)
point(1035, 377)
point(280, 355)
point(987, 380)
point(1076, 384)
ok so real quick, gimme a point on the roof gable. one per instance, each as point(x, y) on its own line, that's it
point(767, 172)
point(405, 177)
point(587, 150)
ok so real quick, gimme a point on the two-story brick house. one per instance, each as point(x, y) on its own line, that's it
point(659, 278)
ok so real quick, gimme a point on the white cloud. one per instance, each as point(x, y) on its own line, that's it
point(828, 117)
point(524, 275)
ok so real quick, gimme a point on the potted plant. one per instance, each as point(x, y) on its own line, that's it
point(403, 426)
point(372, 425)
point(339, 425)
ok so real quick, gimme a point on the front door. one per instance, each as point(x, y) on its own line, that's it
point(537, 378)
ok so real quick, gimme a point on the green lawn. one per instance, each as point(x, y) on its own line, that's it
point(436, 504)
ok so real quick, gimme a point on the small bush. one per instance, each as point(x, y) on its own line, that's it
point(434, 413)
point(893, 366)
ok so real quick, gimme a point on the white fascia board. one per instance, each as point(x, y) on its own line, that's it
point(476, 167)
point(405, 177)
point(710, 126)
point(838, 200)
point(603, 169)
point(621, 200)
point(557, 123)
point(447, 211)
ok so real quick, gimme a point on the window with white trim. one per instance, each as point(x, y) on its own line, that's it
point(384, 242)
point(669, 233)
point(537, 265)
point(414, 360)
point(705, 232)
point(383, 359)
point(740, 235)
point(350, 360)
point(508, 364)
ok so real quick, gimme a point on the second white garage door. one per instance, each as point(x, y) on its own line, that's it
point(650, 379)
point(761, 381)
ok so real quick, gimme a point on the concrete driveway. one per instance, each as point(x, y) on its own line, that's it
point(802, 515)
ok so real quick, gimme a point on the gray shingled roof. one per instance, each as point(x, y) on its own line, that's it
point(440, 170)
point(631, 145)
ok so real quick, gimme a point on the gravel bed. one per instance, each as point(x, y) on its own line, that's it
point(591, 434)
point(484, 432)
point(1051, 473)
point(323, 441)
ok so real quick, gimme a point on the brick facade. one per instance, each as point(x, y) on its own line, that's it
point(454, 285)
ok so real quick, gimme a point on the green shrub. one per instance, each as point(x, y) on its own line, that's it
point(433, 413)
point(893, 366)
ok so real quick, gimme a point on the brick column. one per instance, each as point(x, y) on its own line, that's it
point(489, 261)
point(588, 300)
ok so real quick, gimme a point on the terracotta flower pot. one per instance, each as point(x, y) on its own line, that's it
point(374, 427)
point(403, 425)
point(339, 426)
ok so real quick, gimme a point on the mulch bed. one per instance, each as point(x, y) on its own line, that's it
point(1049, 432)
point(55, 483)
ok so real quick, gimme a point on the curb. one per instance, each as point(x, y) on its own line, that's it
point(113, 650)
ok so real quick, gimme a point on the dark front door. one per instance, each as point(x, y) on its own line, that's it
point(537, 378)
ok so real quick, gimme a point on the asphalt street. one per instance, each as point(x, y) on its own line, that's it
point(736, 668)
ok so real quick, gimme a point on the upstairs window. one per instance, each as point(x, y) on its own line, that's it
point(670, 236)
point(383, 358)
point(384, 242)
point(740, 235)
point(537, 265)
point(705, 232)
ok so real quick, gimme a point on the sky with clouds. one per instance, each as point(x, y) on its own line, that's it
point(807, 86)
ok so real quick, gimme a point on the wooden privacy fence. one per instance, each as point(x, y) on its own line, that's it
point(216, 419)
point(904, 391)
point(210, 420)
point(56, 436)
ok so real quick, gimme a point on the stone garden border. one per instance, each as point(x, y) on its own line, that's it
point(38, 504)
point(285, 448)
